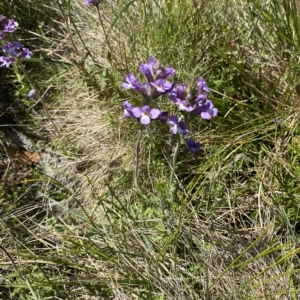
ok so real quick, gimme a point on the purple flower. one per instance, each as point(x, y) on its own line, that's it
point(31, 94)
point(206, 110)
point(162, 86)
point(92, 2)
point(153, 70)
point(179, 93)
point(192, 146)
point(185, 106)
point(148, 68)
point(6, 61)
point(202, 86)
point(133, 83)
point(163, 116)
point(25, 53)
point(177, 126)
point(11, 48)
point(277, 120)
point(165, 73)
point(145, 114)
point(7, 26)
point(127, 109)
point(11, 26)
point(201, 98)
point(179, 96)
point(156, 85)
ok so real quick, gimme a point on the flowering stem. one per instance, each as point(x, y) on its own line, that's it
point(173, 189)
point(137, 155)
point(173, 186)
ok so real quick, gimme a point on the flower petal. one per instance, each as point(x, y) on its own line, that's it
point(145, 120)
point(163, 116)
point(174, 128)
point(154, 113)
point(137, 112)
point(205, 115)
point(192, 146)
point(214, 112)
point(31, 94)
point(173, 120)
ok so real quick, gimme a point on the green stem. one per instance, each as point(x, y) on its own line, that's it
point(173, 188)
point(137, 156)
point(173, 185)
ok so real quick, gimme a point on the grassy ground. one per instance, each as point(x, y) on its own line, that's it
point(75, 227)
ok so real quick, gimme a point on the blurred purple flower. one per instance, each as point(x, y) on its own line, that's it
point(127, 109)
point(133, 83)
point(153, 70)
point(25, 53)
point(11, 48)
point(179, 92)
point(192, 146)
point(31, 94)
point(163, 116)
point(6, 61)
point(162, 86)
point(179, 96)
point(202, 86)
point(206, 110)
point(277, 120)
point(147, 69)
point(177, 126)
point(11, 26)
point(7, 26)
point(201, 98)
point(185, 106)
point(165, 73)
point(145, 114)
point(14, 50)
point(92, 2)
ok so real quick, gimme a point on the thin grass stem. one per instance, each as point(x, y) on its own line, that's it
point(137, 156)
point(106, 36)
point(66, 18)
point(41, 99)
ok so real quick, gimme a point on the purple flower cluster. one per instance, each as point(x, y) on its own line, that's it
point(14, 50)
point(156, 76)
point(198, 104)
point(156, 85)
